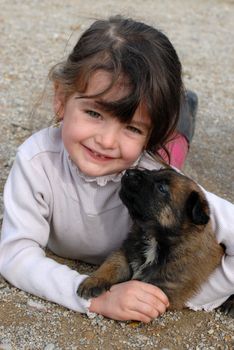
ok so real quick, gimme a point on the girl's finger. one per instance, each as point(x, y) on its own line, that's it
point(154, 291)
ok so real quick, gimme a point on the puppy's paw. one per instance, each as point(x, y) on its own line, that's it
point(92, 287)
point(228, 306)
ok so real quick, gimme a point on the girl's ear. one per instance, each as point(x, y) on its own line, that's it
point(59, 101)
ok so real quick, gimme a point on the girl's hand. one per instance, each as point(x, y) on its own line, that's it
point(132, 300)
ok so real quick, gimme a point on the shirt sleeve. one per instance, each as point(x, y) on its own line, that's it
point(220, 284)
point(25, 232)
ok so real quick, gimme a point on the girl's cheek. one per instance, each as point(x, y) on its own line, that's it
point(134, 151)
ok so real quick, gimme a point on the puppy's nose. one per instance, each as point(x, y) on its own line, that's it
point(130, 172)
point(133, 174)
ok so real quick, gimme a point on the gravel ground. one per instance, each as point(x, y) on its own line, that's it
point(36, 34)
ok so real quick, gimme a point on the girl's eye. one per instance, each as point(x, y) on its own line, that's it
point(134, 129)
point(93, 114)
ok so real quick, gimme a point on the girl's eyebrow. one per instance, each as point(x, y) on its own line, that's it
point(88, 102)
point(140, 124)
point(91, 103)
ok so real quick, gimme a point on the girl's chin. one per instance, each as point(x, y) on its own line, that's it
point(99, 173)
point(96, 171)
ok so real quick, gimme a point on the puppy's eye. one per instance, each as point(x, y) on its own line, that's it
point(162, 188)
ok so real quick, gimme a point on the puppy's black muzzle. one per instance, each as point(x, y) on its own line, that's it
point(134, 178)
point(135, 185)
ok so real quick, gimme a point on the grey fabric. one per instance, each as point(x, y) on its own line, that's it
point(188, 111)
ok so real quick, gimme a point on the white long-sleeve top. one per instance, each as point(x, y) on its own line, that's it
point(50, 203)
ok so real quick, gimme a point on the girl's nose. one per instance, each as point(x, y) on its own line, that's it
point(107, 137)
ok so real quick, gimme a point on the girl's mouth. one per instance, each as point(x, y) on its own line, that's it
point(96, 155)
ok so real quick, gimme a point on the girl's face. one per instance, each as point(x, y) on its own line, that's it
point(97, 142)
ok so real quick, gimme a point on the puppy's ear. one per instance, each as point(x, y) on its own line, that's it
point(197, 209)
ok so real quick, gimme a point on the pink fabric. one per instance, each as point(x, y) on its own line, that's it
point(178, 150)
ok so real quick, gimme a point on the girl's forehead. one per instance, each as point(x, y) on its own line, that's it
point(101, 81)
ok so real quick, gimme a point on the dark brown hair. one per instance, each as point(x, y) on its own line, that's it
point(143, 55)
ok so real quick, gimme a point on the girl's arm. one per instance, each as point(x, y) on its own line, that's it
point(221, 283)
point(26, 225)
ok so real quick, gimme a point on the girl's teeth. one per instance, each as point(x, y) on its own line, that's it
point(99, 155)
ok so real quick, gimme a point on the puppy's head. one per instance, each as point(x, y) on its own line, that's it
point(165, 197)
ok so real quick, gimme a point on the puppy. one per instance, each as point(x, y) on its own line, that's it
point(171, 243)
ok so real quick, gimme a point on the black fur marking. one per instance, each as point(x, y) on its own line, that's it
point(197, 209)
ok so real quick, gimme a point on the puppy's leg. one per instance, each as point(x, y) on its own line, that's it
point(228, 306)
point(114, 270)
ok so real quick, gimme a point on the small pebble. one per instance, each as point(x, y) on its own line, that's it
point(49, 347)
point(5, 347)
point(36, 305)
